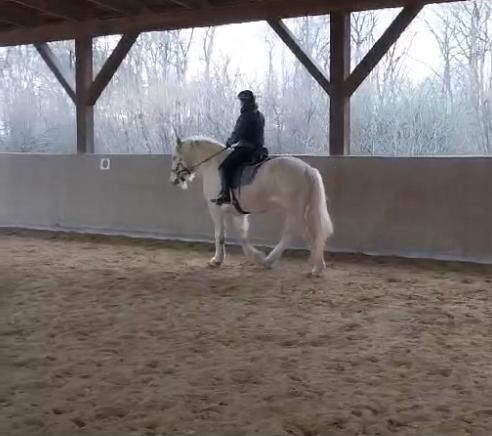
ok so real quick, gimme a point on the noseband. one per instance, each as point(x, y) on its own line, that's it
point(181, 171)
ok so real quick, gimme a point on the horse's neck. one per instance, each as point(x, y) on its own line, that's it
point(211, 156)
point(208, 153)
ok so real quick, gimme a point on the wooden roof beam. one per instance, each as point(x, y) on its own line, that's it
point(310, 64)
point(5, 26)
point(54, 65)
point(183, 3)
point(57, 8)
point(124, 7)
point(110, 67)
point(191, 4)
point(187, 18)
point(17, 17)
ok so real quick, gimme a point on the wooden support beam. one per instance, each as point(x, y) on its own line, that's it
point(64, 9)
point(183, 3)
point(5, 26)
point(110, 66)
point(17, 16)
point(381, 47)
point(87, 91)
point(227, 13)
point(201, 3)
point(191, 4)
point(339, 70)
point(54, 65)
point(124, 7)
point(83, 80)
point(310, 64)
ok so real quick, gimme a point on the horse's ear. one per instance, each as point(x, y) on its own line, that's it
point(179, 142)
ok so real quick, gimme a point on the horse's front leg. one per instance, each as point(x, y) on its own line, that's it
point(254, 255)
point(219, 232)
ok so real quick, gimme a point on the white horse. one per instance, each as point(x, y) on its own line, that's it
point(284, 183)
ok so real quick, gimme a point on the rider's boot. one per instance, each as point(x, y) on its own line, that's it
point(225, 194)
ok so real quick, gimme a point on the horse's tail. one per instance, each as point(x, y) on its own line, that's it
point(319, 226)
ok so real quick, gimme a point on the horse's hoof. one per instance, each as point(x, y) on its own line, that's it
point(259, 258)
point(263, 264)
point(214, 263)
point(251, 261)
point(317, 272)
point(268, 264)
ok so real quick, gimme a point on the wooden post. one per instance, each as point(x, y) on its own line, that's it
point(339, 71)
point(86, 91)
point(83, 82)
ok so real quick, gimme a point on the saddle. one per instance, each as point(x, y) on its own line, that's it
point(245, 174)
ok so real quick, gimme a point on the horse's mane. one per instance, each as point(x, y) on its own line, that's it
point(202, 138)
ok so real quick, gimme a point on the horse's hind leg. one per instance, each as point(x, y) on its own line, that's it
point(254, 255)
point(317, 249)
point(287, 236)
point(317, 257)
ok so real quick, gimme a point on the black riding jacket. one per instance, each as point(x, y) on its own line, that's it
point(249, 128)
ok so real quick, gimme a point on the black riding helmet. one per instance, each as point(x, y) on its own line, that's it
point(246, 96)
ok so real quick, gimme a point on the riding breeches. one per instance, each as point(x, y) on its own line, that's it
point(239, 156)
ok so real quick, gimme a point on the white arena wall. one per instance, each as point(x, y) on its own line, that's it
point(417, 207)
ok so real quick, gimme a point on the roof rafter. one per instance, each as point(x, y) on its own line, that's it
point(124, 7)
point(57, 8)
point(234, 11)
point(18, 17)
point(191, 4)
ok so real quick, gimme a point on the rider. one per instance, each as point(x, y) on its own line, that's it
point(248, 134)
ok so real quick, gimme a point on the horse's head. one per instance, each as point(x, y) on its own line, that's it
point(182, 168)
point(189, 155)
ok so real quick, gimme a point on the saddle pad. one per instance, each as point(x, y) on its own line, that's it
point(246, 174)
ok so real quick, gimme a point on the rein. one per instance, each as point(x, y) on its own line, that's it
point(194, 167)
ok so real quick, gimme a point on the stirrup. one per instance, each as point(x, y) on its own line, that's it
point(219, 201)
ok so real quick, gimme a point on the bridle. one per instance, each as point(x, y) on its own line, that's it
point(182, 171)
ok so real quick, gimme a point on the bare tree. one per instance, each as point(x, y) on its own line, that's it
point(181, 79)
